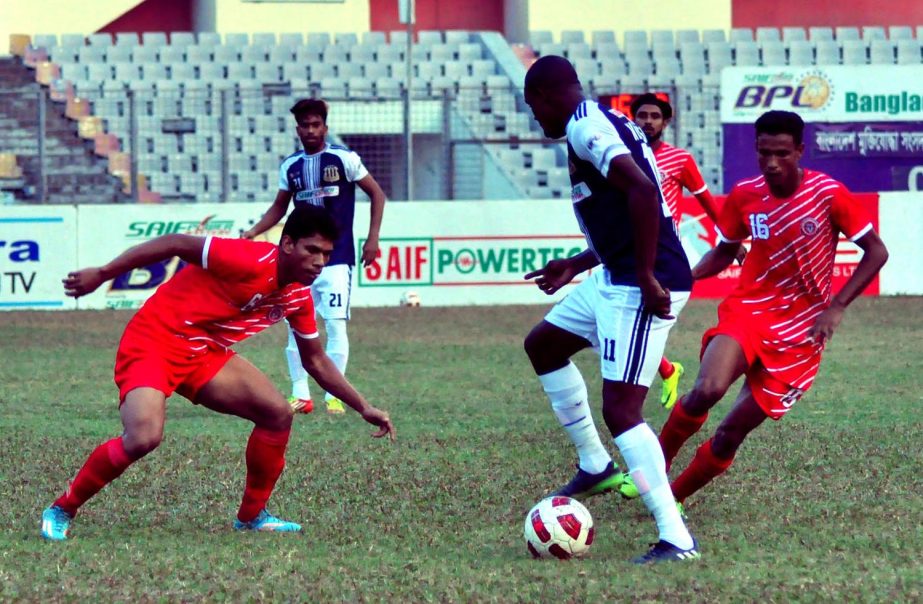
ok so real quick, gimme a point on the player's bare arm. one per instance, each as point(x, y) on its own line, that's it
point(644, 209)
point(325, 373)
point(377, 197)
point(559, 272)
point(874, 257)
point(273, 215)
point(84, 281)
point(716, 260)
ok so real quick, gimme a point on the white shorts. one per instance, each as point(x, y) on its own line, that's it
point(630, 341)
point(331, 291)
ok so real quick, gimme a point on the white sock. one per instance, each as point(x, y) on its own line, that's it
point(296, 371)
point(337, 345)
point(567, 391)
point(644, 457)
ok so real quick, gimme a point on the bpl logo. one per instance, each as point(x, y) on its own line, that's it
point(813, 92)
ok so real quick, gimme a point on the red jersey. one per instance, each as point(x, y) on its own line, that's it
point(785, 282)
point(232, 296)
point(677, 171)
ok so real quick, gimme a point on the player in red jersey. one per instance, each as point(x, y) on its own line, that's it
point(773, 327)
point(180, 340)
point(678, 171)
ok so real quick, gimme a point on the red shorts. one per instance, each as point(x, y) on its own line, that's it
point(771, 371)
point(142, 362)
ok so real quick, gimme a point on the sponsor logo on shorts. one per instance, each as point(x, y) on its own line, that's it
point(579, 192)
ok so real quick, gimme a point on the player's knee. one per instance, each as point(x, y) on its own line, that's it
point(276, 417)
point(140, 441)
point(536, 347)
point(707, 391)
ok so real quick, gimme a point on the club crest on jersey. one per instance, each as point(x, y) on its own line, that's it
point(331, 174)
point(276, 313)
point(809, 226)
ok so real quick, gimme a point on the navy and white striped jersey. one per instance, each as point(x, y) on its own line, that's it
point(596, 135)
point(327, 178)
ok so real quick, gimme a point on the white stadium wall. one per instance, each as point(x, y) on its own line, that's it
point(450, 253)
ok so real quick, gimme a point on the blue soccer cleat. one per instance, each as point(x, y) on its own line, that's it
point(55, 523)
point(664, 551)
point(265, 521)
point(584, 484)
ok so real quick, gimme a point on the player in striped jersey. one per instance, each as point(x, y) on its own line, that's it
point(325, 175)
point(773, 327)
point(624, 310)
point(180, 341)
point(678, 171)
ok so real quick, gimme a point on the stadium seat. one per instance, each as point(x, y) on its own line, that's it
point(429, 37)
point(198, 54)
point(741, 34)
point(46, 41)
point(746, 53)
point(307, 55)
point(254, 54)
point(172, 54)
point(72, 40)
point(571, 36)
point(469, 52)
point(846, 33)
point(540, 37)
point(375, 38)
point(375, 70)
point(908, 52)
point(457, 37)
point(123, 38)
point(181, 39)
point(719, 56)
point(100, 39)
point(602, 37)
point(773, 53)
point(900, 32)
point(713, 35)
point(635, 38)
point(265, 39)
point(208, 39)
point(345, 39)
point(800, 52)
point(793, 34)
point(153, 38)
point(239, 39)
point(854, 52)
point(349, 70)
point(768, 34)
point(144, 54)
point(92, 54)
point(820, 34)
point(318, 39)
point(578, 50)
point(870, 33)
point(881, 52)
point(828, 53)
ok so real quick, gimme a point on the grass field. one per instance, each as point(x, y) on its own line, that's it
point(824, 506)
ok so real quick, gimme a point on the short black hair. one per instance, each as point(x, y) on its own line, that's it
point(550, 72)
point(781, 122)
point(307, 220)
point(310, 107)
point(649, 98)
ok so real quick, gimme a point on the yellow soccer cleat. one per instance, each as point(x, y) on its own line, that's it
point(670, 391)
point(335, 406)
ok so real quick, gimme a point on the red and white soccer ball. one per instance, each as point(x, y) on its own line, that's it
point(558, 527)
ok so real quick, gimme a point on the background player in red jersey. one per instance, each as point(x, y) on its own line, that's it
point(180, 340)
point(773, 326)
point(678, 171)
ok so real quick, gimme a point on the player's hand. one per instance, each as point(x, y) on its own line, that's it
point(741, 254)
point(82, 282)
point(379, 418)
point(248, 234)
point(370, 251)
point(555, 275)
point(826, 324)
point(656, 299)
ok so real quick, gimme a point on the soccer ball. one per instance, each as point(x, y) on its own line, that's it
point(410, 299)
point(559, 527)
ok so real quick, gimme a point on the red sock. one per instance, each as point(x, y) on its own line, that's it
point(666, 368)
point(679, 427)
point(704, 467)
point(105, 464)
point(265, 461)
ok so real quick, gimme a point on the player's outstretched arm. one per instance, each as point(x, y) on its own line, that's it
point(85, 281)
point(874, 257)
point(273, 215)
point(716, 260)
point(377, 211)
point(325, 373)
point(561, 271)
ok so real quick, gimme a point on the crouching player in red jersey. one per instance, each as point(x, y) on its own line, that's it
point(180, 340)
point(773, 326)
